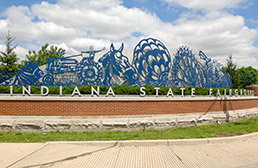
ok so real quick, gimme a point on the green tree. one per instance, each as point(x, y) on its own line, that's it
point(247, 76)
point(231, 68)
point(8, 58)
point(45, 52)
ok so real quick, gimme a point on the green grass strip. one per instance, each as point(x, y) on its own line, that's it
point(205, 131)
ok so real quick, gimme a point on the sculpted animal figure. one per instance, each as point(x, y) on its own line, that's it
point(29, 74)
point(116, 68)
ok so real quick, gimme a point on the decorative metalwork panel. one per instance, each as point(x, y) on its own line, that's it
point(186, 69)
point(117, 68)
point(151, 65)
point(153, 62)
point(213, 75)
point(29, 74)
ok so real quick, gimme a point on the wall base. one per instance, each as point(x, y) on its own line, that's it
point(126, 123)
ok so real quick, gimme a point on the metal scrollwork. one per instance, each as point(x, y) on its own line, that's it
point(117, 68)
point(89, 72)
point(153, 62)
point(186, 69)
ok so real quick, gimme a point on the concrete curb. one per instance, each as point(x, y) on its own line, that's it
point(165, 142)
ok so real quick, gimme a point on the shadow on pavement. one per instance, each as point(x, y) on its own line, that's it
point(70, 158)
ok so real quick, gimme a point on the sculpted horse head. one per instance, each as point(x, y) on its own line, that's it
point(116, 67)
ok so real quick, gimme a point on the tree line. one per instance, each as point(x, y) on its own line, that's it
point(9, 60)
point(241, 77)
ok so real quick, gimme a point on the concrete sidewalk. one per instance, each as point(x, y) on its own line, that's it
point(238, 152)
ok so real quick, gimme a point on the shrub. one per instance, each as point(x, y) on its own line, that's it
point(119, 90)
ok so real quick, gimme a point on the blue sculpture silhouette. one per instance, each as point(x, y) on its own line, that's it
point(152, 62)
point(84, 72)
point(6, 77)
point(210, 72)
point(186, 70)
point(92, 52)
point(89, 72)
point(28, 74)
point(214, 77)
point(226, 81)
point(151, 65)
point(117, 69)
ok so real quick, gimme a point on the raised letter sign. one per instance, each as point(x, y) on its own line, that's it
point(76, 91)
point(42, 91)
point(110, 92)
point(60, 90)
point(182, 91)
point(157, 91)
point(210, 93)
point(11, 90)
point(192, 92)
point(218, 93)
point(170, 92)
point(25, 90)
point(230, 92)
point(142, 90)
point(236, 92)
point(94, 91)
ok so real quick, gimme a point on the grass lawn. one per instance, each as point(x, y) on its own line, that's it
point(206, 131)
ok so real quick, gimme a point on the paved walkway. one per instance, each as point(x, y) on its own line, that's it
point(238, 152)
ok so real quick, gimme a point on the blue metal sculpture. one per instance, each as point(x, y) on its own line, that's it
point(92, 52)
point(213, 75)
point(151, 65)
point(85, 72)
point(117, 69)
point(152, 61)
point(210, 71)
point(29, 74)
point(186, 69)
point(5, 77)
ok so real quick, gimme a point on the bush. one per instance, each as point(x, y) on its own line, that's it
point(120, 90)
point(4, 89)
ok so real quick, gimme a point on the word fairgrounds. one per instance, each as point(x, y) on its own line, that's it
point(110, 93)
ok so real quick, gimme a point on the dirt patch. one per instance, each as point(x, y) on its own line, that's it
point(224, 134)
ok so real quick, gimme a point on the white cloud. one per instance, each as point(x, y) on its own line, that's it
point(112, 22)
point(20, 51)
point(75, 26)
point(3, 29)
point(2, 47)
point(20, 20)
point(85, 43)
point(206, 4)
point(218, 34)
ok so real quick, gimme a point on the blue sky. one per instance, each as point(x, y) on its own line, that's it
point(8, 3)
point(217, 27)
point(170, 13)
point(161, 9)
